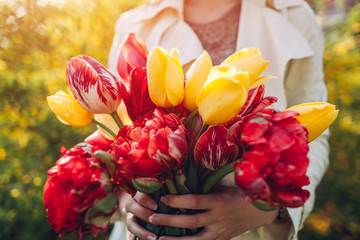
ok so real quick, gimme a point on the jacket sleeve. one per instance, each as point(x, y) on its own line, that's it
point(304, 82)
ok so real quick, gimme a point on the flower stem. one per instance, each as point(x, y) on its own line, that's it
point(117, 119)
point(191, 116)
point(171, 187)
point(216, 177)
point(105, 128)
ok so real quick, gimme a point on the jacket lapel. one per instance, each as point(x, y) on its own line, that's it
point(278, 40)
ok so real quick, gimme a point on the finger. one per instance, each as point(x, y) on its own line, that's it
point(138, 210)
point(182, 220)
point(129, 235)
point(138, 230)
point(145, 200)
point(192, 201)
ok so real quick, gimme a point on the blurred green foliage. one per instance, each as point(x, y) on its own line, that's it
point(37, 40)
point(337, 212)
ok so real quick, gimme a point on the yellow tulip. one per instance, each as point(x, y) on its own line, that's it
point(315, 116)
point(68, 111)
point(250, 60)
point(165, 77)
point(223, 95)
point(195, 79)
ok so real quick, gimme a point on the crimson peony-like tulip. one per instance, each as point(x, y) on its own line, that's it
point(275, 160)
point(133, 53)
point(153, 147)
point(78, 193)
point(93, 86)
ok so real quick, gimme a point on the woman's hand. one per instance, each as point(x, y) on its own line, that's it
point(226, 214)
point(141, 206)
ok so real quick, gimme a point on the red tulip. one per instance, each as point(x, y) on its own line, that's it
point(78, 193)
point(93, 86)
point(275, 160)
point(154, 146)
point(213, 150)
point(254, 103)
point(137, 99)
point(133, 53)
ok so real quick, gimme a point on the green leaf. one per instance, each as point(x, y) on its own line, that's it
point(180, 184)
point(104, 205)
point(265, 206)
point(146, 185)
point(108, 159)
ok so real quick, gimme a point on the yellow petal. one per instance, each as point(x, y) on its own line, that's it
point(68, 111)
point(195, 79)
point(174, 80)
point(221, 100)
point(315, 116)
point(221, 71)
point(248, 60)
point(123, 115)
point(109, 122)
point(260, 81)
point(156, 69)
point(242, 78)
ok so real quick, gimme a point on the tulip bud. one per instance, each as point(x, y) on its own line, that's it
point(165, 77)
point(133, 53)
point(195, 79)
point(223, 95)
point(93, 86)
point(249, 60)
point(68, 111)
point(315, 116)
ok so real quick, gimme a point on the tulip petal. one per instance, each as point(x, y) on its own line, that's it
point(156, 68)
point(260, 81)
point(174, 79)
point(138, 101)
point(109, 122)
point(133, 53)
point(221, 100)
point(213, 150)
point(196, 77)
point(68, 111)
point(315, 116)
point(248, 60)
point(93, 86)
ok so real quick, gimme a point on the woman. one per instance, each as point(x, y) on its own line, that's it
point(288, 36)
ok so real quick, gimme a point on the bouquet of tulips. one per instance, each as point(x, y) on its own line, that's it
point(162, 132)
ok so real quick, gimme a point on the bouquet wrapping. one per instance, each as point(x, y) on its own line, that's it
point(161, 132)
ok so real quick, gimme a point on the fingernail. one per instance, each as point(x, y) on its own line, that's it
point(164, 199)
point(151, 205)
point(151, 238)
point(154, 220)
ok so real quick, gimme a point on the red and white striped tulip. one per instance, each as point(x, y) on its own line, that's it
point(93, 86)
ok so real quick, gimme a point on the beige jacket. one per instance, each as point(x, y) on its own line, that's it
point(288, 36)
